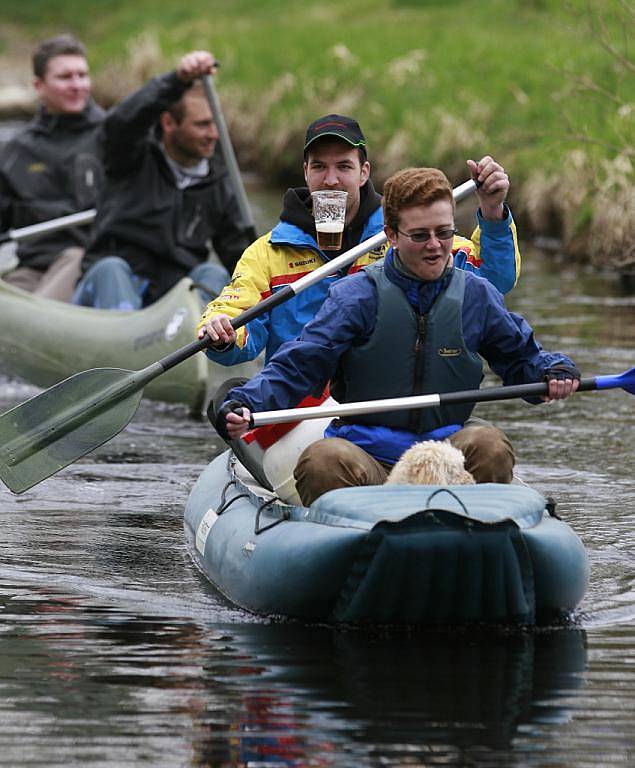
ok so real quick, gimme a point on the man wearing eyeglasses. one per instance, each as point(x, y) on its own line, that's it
point(412, 324)
point(335, 158)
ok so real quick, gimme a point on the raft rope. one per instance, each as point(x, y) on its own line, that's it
point(224, 504)
point(285, 516)
point(551, 508)
point(447, 490)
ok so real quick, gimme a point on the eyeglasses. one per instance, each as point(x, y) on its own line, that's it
point(424, 235)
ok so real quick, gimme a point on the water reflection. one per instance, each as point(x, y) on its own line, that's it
point(387, 698)
point(96, 679)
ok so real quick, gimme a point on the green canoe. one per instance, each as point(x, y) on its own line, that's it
point(44, 341)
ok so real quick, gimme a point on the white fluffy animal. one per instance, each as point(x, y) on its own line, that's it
point(432, 462)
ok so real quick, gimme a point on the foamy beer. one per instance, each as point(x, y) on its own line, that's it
point(329, 212)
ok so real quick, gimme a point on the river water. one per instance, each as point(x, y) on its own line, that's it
point(115, 651)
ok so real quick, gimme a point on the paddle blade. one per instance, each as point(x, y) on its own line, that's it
point(625, 381)
point(63, 423)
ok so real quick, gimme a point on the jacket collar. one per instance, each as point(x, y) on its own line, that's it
point(421, 293)
point(47, 122)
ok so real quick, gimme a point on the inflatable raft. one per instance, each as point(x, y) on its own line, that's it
point(44, 341)
point(409, 554)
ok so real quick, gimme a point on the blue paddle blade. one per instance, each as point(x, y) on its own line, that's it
point(625, 381)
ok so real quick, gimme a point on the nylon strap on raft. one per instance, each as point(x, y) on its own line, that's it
point(224, 504)
point(285, 516)
point(447, 490)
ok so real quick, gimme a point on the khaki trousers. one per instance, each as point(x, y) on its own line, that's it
point(336, 463)
point(56, 282)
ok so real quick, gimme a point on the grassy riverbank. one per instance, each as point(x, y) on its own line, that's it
point(545, 86)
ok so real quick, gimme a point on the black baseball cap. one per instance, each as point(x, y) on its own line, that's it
point(341, 127)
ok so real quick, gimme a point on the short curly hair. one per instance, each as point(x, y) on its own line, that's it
point(414, 186)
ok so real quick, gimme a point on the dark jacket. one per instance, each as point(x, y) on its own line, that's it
point(160, 230)
point(51, 169)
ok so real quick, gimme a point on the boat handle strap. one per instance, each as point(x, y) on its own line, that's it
point(447, 490)
point(285, 516)
point(224, 504)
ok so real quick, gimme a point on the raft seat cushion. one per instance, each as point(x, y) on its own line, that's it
point(363, 507)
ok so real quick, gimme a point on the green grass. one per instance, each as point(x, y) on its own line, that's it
point(431, 81)
point(495, 66)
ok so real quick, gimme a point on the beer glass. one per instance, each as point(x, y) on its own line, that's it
point(329, 212)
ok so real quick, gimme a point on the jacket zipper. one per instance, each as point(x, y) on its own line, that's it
point(415, 416)
point(194, 222)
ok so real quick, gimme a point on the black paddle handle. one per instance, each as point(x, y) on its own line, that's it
point(507, 393)
point(179, 355)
